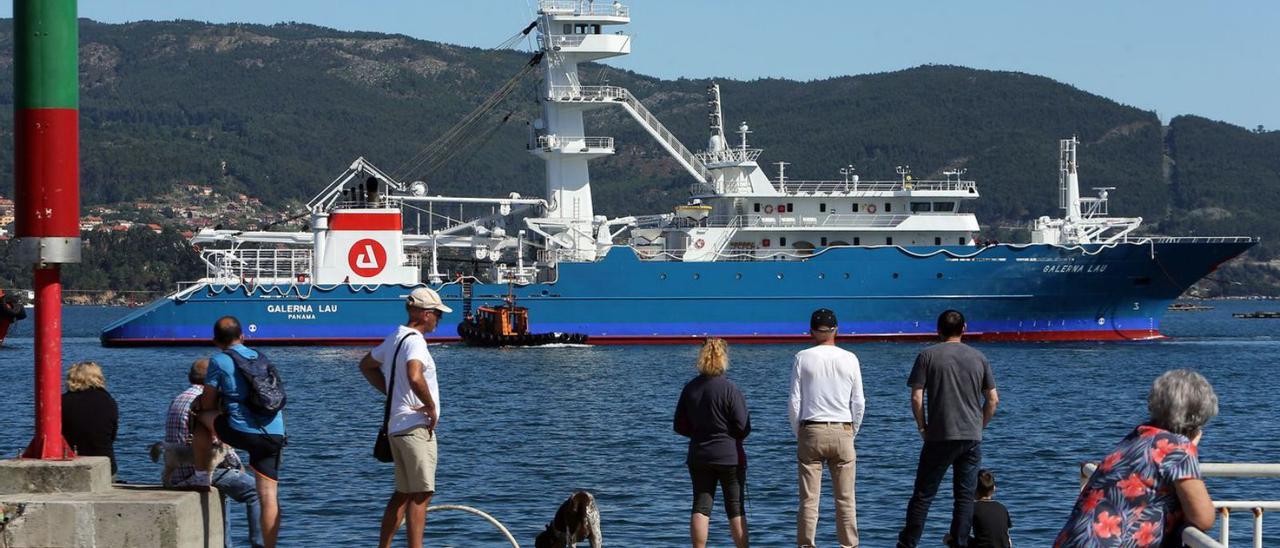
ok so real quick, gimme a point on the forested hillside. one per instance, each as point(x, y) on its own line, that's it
point(278, 111)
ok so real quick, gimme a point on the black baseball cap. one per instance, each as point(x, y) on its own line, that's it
point(823, 319)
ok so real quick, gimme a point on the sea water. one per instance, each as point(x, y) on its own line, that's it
point(522, 428)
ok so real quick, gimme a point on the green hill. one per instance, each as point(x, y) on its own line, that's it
point(278, 111)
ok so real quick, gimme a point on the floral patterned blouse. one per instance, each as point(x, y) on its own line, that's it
point(1131, 500)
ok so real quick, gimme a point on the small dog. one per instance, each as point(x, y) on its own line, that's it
point(177, 455)
point(575, 521)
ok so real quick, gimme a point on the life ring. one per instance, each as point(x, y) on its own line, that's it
point(699, 243)
point(302, 278)
point(871, 208)
point(768, 209)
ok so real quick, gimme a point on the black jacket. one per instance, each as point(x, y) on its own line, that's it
point(713, 414)
point(90, 420)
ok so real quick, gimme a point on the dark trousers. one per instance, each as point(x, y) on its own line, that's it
point(964, 457)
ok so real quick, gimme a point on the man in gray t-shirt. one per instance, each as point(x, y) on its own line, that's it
point(956, 382)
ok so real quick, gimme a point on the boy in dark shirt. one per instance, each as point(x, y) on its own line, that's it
point(991, 520)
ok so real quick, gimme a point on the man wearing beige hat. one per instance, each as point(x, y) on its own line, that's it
point(402, 368)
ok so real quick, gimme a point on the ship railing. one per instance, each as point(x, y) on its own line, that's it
point(583, 7)
point(257, 264)
point(558, 41)
point(1195, 538)
point(740, 254)
point(797, 187)
point(381, 202)
point(637, 109)
point(1192, 239)
point(550, 142)
point(729, 155)
point(833, 220)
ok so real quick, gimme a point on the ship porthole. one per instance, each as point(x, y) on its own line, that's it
point(696, 276)
point(779, 275)
point(545, 293)
point(822, 276)
point(737, 276)
point(662, 276)
point(895, 275)
point(939, 275)
point(846, 275)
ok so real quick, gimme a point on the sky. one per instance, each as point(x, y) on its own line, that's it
point(1215, 59)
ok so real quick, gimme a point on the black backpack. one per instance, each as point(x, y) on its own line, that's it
point(264, 389)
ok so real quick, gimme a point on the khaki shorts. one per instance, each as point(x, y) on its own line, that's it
point(414, 451)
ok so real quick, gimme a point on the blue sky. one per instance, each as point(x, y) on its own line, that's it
point(1215, 59)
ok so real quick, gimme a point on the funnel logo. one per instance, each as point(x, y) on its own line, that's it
point(367, 258)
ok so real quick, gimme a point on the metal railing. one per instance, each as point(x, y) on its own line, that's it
point(259, 264)
point(1194, 239)
point(557, 41)
point(574, 144)
point(828, 187)
point(637, 109)
point(583, 7)
point(729, 155)
point(1195, 538)
point(832, 220)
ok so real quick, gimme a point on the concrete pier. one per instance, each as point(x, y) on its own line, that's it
point(74, 504)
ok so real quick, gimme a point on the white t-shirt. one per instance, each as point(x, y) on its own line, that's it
point(404, 403)
point(826, 386)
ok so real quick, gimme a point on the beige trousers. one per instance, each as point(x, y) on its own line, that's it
point(830, 444)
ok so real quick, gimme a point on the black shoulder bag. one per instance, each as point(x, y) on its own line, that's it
point(382, 446)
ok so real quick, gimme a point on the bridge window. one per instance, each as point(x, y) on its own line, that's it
point(782, 240)
point(918, 207)
point(757, 207)
point(822, 208)
point(855, 207)
point(790, 208)
point(962, 240)
point(888, 207)
point(595, 29)
point(824, 241)
point(937, 240)
point(568, 29)
point(944, 206)
point(888, 241)
point(857, 240)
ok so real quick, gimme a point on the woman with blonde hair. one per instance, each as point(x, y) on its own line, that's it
point(713, 414)
point(90, 417)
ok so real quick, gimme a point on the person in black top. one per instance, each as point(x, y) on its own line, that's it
point(713, 414)
point(991, 520)
point(90, 417)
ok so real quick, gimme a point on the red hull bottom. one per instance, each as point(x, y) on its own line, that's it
point(1038, 336)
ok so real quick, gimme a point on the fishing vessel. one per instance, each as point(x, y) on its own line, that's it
point(747, 257)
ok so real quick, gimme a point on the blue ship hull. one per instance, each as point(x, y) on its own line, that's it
point(1010, 292)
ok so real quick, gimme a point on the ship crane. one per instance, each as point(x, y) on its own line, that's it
point(1085, 220)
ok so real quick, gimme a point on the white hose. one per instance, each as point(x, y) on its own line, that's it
point(487, 517)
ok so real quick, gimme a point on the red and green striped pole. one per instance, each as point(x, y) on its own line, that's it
point(47, 188)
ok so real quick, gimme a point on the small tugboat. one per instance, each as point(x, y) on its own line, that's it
point(11, 310)
point(507, 325)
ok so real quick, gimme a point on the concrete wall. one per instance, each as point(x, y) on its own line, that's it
point(73, 504)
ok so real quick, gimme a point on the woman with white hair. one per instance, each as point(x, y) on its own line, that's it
point(713, 414)
point(90, 418)
point(1150, 486)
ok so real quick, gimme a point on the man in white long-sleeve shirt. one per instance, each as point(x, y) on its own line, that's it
point(826, 409)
